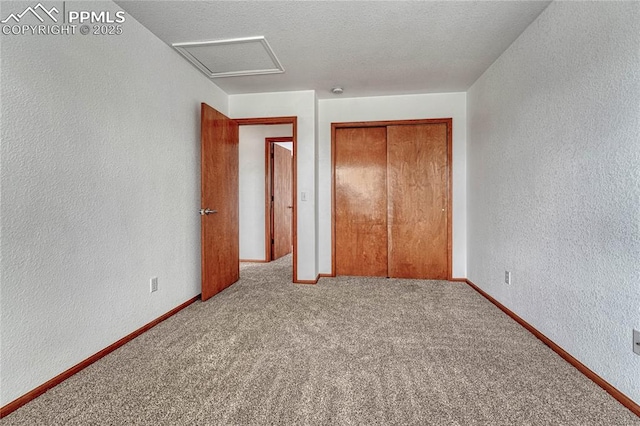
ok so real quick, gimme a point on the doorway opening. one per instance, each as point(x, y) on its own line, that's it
point(278, 197)
point(262, 221)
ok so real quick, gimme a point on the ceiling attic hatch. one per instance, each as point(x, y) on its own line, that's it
point(231, 57)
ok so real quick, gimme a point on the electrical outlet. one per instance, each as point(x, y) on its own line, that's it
point(154, 284)
point(636, 342)
point(507, 277)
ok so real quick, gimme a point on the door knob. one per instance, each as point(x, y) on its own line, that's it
point(207, 212)
point(289, 207)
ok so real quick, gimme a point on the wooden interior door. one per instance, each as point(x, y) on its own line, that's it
point(361, 201)
point(417, 199)
point(219, 194)
point(282, 197)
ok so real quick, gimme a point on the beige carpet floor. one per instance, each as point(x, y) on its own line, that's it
point(348, 351)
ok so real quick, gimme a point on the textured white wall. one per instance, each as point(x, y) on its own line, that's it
point(302, 105)
point(252, 190)
point(554, 182)
point(443, 105)
point(100, 164)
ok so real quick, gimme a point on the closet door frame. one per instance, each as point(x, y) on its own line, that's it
point(449, 175)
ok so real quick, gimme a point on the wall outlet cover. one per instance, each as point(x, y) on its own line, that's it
point(507, 277)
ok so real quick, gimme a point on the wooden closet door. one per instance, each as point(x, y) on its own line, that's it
point(417, 191)
point(361, 201)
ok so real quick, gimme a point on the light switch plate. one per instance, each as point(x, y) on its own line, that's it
point(636, 341)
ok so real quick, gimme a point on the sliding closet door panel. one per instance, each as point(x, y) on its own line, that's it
point(417, 190)
point(361, 201)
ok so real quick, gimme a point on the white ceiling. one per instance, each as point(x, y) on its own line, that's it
point(369, 48)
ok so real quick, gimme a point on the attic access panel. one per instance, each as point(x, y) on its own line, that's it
point(231, 57)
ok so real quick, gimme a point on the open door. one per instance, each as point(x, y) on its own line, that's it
point(282, 201)
point(219, 208)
